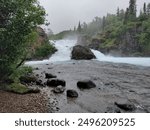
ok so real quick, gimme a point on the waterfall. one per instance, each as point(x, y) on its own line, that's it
point(63, 54)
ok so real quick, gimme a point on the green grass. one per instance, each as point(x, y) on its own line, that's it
point(21, 71)
point(18, 88)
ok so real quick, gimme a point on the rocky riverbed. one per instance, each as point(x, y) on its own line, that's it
point(119, 87)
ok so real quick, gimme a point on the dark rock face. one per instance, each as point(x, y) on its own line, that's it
point(125, 106)
point(49, 76)
point(128, 44)
point(82, 53)
point(59, 89)
point(72, 93)
point(56, 82)
point(86, 84)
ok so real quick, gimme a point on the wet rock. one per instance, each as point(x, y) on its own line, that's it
point(132, 91)
point(49, 76)
point(72, 93)
point(125, 106)
point(49, 68)
point(37, 68)
point(28, 79)
point(59, 89)
point(82, 53)
point(86, 84)
point(55, 82)
point(37, 75)
point(34, 90)
point(39, 82)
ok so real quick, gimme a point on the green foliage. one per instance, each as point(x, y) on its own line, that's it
point(18, 19)
point(21, 71)
point(15, 85)
point(109, 43)
point(63, 34)
point(18, 88)
point(113, 30)
point(132, 10)
point(43, 51)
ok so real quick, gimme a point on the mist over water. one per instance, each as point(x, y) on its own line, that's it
point(63, 54)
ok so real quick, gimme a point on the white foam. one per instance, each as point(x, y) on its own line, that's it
point(64, 48)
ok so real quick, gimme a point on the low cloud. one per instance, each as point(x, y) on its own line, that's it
point(65, 14)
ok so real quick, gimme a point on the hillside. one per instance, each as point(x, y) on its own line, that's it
point(41, 47)
point(121, 34)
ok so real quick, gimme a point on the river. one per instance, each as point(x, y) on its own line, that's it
point(115, 82)
point(64, 54)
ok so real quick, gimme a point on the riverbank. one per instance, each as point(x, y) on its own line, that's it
point(28, 103)
point(115, 83)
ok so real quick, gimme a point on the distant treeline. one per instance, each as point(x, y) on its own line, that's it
point(121, 30)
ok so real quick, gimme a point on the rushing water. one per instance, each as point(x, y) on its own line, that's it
point(64, 53)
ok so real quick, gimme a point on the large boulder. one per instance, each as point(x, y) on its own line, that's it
point(82, 53)
point(55, 82)
point(86, 84)
point(50, 76)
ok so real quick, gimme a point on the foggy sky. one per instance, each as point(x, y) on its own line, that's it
point(65, 14)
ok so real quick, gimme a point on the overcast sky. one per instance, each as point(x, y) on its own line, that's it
point(65, 14)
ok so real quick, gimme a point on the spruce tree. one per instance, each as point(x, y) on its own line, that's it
point(103, 23)
point(79, 29)
point(144, 9)
point(126, 17)
point(148, 9)
point(118, 12)
point(132, 9)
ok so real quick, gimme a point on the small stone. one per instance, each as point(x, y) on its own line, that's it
point(39, 82)
point(125, 106)
point(72, 93)
point(34, 90)
point(132, 91)
point(37, 75)
point(59, 89)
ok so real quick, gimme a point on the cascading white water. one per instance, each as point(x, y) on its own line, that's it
point(64, 48)
point(143, 61)
point(63, 53)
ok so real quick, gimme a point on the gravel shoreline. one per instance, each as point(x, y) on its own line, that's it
point(28, 103)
